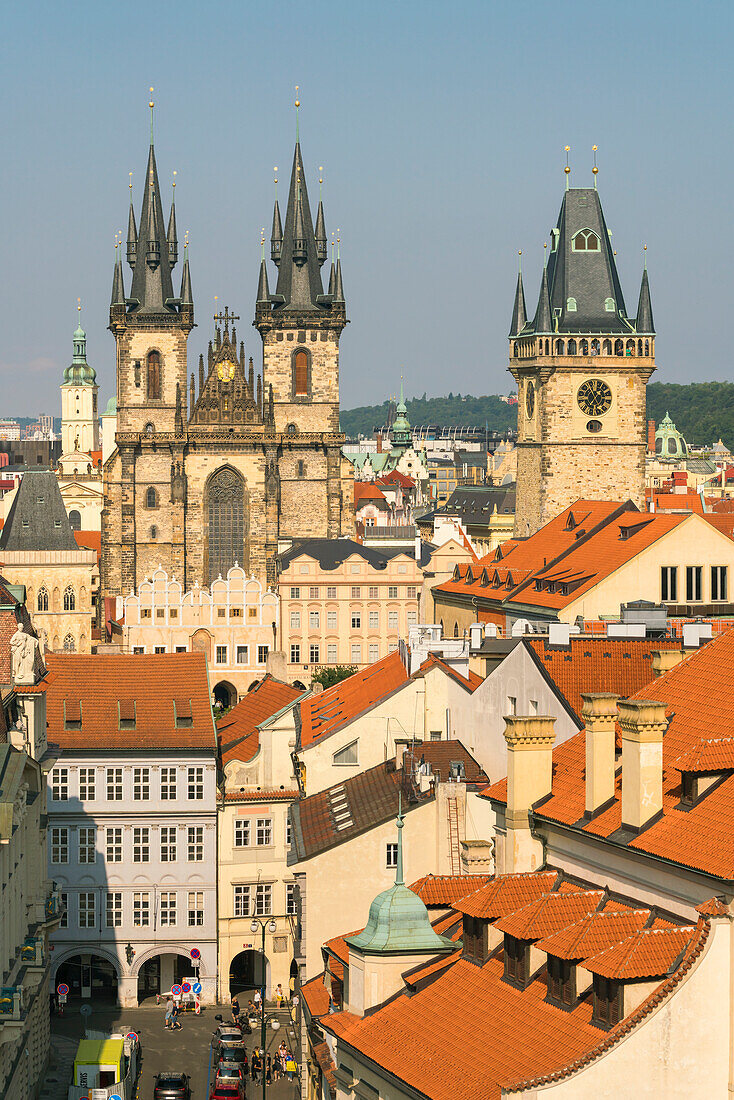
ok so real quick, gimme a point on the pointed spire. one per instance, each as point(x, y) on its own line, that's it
point(263, 290)
point(519, 311)
point(187, 297)
point(644, 322)
point(251, 380)
point(260, 394)
point(118, 285)
point(332, 273)
point(321, 243)
point(192, 395)
point(171, 235)
point(300, 252)
point(132, 230)
point(152, 287)
point(542, 322)
point(299, 279)
point(271, 406)
point(338, 284)
point(201, 374)
point(276, 234)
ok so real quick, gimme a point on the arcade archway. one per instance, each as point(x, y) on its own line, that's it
point(246, 972)
point(225, 695)
point(89, 977)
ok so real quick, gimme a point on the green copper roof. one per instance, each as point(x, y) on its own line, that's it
point(79, 373)
point(111, 409)
point(398, 922)
point(669, 443)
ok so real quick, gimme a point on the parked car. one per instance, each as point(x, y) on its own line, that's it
point(237, 1055)
point(229, 1073)
point(227, 1033)
point(225, 1092)
point(171, 1086)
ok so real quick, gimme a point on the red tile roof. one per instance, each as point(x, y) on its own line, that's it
point(714, 907)
point(649, 953)
point(237, 730)
point(506, 893)
point(396, 478)
point(550, 913)
point(697, 699)
point(316, 996)
point(444, 890)
point(153, 681)
point(274, 794)
point(594, 933)
point(618, 665)
point(328, 711)
point(89, 540)
point(470, 682)
point(712, 754)
point(365, 490)
point(325, 1061)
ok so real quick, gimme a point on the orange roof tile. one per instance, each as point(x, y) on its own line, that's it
point(444, 890)
point(152, 680)
point(269, 794)
point(316, 996)
point(237, 730)
point(89, 540)
point(338, 947)
point(594, 933)
point(714, 907)
point(549, 914)
point(325, 713)
point(618, 665)
point(365, 490)
point(506, 893)
point(326, 1062)
point(712, 754)
point(697, 699)
point(649, 953)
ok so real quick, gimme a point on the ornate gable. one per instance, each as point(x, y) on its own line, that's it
point(227, 398)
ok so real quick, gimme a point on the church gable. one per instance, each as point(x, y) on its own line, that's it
point(227, 396)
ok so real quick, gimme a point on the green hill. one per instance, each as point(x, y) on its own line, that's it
point(702, 411)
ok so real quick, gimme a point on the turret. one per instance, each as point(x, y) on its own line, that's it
point(132, 232)
point(171, 235)
point(519, 312)
point(644, 322)
point(542, 322)
point(118, 283)
point(320, 234)
point(187, 297)
point(276, 236)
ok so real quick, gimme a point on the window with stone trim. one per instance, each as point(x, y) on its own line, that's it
point(42, 600)
point(301, 373)
point(154, 375)
point(228, 522)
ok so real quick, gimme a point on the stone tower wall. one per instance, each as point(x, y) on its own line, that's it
point(319, 412)
point(136, 337)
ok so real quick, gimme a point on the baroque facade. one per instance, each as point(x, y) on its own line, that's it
point(199, 482)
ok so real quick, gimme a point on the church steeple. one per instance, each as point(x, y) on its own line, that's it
point(187, 298)
point(132, 231)
point(171, 235)
point(152, 288)
point(299, 281)
point(321, 244)
point(276, 236)
point(542, 320)
point(644, 322)
point(118, 283)
point(519, 312)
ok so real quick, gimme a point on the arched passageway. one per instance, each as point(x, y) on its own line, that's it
point(89, 977)
point(246, 972)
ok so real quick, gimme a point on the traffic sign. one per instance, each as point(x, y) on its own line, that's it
point(85, 1010)
point(115, 1096)
point(176, 990)
point(195, 953)
point(130, 1035)
point(62, 989)
point(197, 988)
point(186, 987)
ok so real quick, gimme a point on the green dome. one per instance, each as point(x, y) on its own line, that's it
point(401, 435)
point(79, 373)
point(399, 922)
point(111, 409)
point(669, 443)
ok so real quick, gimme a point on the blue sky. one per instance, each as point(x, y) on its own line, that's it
point(441, 130)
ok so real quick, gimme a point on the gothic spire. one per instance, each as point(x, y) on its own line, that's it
point(299, 280)
point(263, 290)
point(171, 235)
point(132, 232)
point(187, 297)
point(338, 284)
point(542, 322)
point(321, 245)
point(519, 312)
point(276, 235)
point(152, 288)
point(644, 322)
point(118, 283)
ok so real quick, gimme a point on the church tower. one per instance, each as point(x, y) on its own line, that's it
point(300, 326)
point(79, 393)
point(581, 367)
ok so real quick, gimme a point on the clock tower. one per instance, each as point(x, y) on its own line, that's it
point(581, 367)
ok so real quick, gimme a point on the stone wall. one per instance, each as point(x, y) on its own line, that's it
point(135, 338)
point(319, 411)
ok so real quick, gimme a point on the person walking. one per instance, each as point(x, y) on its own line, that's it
point(175, 1022)
point(290, 1065)
point(269, 1071)
point(279, 995)
point(258, 1000)
point(169, 1013)
point(282, 1052)
point(235, 1009)
point(256, 1064)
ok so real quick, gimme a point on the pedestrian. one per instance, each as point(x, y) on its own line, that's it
point(290, 1065)
point(251, 1009)
point(269, 1071)
point(235, 1008)
point(258, 1000)
point(279, 995)
point(282, 1051)
point(169, 1013)
point(255, 1065)
point(175, 1022)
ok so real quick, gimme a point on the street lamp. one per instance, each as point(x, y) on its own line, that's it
point(264, 926)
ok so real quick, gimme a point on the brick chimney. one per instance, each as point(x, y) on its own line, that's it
point(529, 778)
point(665, 659)
point(651, 437)
point(599, 714)
point(643, 724)
point(379, 443)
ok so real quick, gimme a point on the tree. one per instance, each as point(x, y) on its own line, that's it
point(328, 675)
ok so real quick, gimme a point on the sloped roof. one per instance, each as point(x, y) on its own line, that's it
point(550, 913)
point(504, 894)
point(37, 519)
point(366, 490)
point(593, 933)
point(89, 540)
point(237, 731)
point(316, 996)
point(158, 684)
point(470, 682)
point(618, 665)
point(330, 553)
point(328, 711)
point(445, 890)
point(697, 700)
point(648, 953)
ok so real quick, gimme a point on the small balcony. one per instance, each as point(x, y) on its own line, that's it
point(32, 953)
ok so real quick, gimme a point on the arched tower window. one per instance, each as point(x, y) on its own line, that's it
point(586, 240)
point(456, 630)
point(154, 532)
point(571, 347)
point(560, 347)
point(301, 468)
point(228, 522)
point(75, 520)
point(301, 372)
point(69, 644)
point(151, 498)
point(69, 598)
point(154, 375)
point(607, 347)
point(609, 305)
point(42, 601)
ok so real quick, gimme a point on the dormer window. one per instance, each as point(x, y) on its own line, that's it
point(586, 240)
point(561, 979)
point(72, 714)
point(607, 1002)
point(517, 961)
point(609, 305)
point(182, 713)
point(571, 305)
point(126, 712)
point(475, 936)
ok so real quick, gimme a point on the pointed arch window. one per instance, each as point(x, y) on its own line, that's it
point(571, 305)
point(586, 240)
point(151, 498)
point(154, 375)
point(69, 601)
point(228, 522)
point(301, 373)
point(42, 599)
point(69, 644)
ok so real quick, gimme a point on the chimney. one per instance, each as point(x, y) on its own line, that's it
point(643, 724)
point(529, 778)
point(379, 443)
point(599, 714)
point(651, 437)
point(665, 659)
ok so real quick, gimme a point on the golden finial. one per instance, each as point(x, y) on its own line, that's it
point(567, 169)
point(321, 173)
point(79, 308)
point(131, 183)
point(298, 102)
point(175, 173)
point(275, 169)
point(595, 169)
point(151, 104)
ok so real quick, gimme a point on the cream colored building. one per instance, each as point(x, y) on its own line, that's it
point(256, 739)
point(345, 604)
point(38, 550)
point(234, 622)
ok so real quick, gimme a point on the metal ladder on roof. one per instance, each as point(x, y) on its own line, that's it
point(454, 853)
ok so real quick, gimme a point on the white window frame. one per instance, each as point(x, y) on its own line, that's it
point(59, 844)
point(141, 784)
point(113, 844)
point(241, 899)
point(169, 784)
point(195, 908)
point(60, 785)
point(113, 781)
point(141, 844)
point(113, 909)
point(87, 844)
point(242, 832)
point(167, 908)
point(87, 909)
point(195, 844)
point(264, 832)
point(87, 784)
point(195, 783)
point(169, 843)
point(141, 909)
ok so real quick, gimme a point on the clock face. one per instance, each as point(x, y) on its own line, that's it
point(226, 370)
point(530, 400)
point(594, 397)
